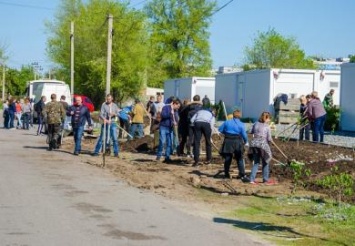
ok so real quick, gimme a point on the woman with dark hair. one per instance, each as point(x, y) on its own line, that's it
point(260, 150)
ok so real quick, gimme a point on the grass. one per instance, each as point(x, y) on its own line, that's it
point(294, 220)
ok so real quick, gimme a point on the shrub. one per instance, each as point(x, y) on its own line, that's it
point(339, 184)
point(333, 118)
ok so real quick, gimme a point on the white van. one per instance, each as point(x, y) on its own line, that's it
point(46, 87)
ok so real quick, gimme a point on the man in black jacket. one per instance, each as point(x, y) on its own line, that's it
point(185, 127)
point(39, 106)
point(79, 115)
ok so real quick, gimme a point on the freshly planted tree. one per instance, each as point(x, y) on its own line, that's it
point(179, 38)
point(270, 49)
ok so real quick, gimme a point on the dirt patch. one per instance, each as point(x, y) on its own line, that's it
point(179, 179)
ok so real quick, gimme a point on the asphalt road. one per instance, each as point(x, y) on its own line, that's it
point(51, 198)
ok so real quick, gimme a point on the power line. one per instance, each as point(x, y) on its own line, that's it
point(25, 5)
point(222, 7)
point(139, 3)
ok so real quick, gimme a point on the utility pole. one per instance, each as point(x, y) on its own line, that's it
point(109, 54)
point(72, 57)
point(3, 81)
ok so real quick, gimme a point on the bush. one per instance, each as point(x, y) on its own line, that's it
point(333, 118)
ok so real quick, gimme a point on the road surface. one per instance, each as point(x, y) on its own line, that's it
point(51, 198)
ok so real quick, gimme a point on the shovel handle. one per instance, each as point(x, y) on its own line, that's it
point(277, 147)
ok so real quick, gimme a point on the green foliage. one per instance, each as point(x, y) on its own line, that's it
point(299, 171)
point(270, 50)
point(352, 59)
point(339, 184)
point(16, 80)
point(129, 47)
point(333, 118)
point(179, 38)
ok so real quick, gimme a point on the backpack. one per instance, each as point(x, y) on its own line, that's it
point(37, 106)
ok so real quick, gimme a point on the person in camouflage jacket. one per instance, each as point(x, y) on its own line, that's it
point(54, 115)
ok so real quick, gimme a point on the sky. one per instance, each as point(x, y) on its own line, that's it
point(324, 28)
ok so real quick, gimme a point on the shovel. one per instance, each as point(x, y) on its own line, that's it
point(277, 147)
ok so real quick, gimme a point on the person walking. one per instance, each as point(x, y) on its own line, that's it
point(27, 111)
point(39, 106)
point(80, 114)
point(108, 114)
point(316, 114)
point(54, 115)
point(166, 128)
point(137, 120)
point(259, 150)
point(235, 137)
point(203, 122)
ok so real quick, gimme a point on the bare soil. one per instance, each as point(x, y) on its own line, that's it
point(179, 180)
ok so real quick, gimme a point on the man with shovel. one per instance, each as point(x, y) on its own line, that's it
point(108, 114)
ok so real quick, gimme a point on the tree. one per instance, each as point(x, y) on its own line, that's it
point(270, 49)
point(179, 38)
point(129, 49)
point(16, 80)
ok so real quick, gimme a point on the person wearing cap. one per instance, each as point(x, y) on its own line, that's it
point(137, 119)
point(235, 138)
point(328, 99)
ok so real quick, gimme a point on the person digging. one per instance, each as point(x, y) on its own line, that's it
point(235, 138)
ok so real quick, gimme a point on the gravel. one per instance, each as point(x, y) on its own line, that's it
point(339, 138)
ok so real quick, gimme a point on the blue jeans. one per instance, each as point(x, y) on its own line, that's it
point(137, 127)
point(26, 120)
point(318, 129)
point(165, 137)
point(40, 124)
point(19, 121)
point(113, 137)
point(78, 133)
point(265, 169)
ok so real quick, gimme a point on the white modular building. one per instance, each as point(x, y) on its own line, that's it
point(347, 89)
point(187, 88)
point(253, 91)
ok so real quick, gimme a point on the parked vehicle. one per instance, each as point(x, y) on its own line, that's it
point(45, 87)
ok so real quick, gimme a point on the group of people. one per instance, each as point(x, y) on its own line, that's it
point(179, 126)
point(313, 115)
point(19, 111)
